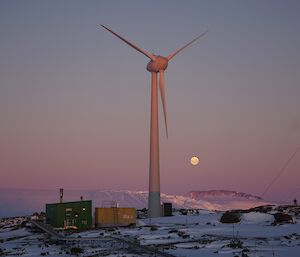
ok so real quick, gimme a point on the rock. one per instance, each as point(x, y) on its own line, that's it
point(231, 217)
point(76, 250)
point(281, 217)
point(235, 243)
point(262, 209)
point(183, 211)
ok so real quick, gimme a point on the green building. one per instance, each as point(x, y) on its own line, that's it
point(76, 215)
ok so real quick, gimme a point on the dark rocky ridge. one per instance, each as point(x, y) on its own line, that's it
point(221, 193)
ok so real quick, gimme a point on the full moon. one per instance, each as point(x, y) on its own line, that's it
point(194, 160)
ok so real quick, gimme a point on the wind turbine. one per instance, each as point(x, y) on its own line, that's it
point(157, 64)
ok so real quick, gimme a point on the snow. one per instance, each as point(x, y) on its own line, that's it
point(195, 234)
point(255, 217)
point(25, 202)
point(208, 237)
point(222, 195)
point(14, 233)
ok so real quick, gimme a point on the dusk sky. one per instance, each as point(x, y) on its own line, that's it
point(75, 100)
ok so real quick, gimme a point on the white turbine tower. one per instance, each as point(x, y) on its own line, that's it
point(157, 64)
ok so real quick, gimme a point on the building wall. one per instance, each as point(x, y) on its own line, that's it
point(70, 215)
point(105, 217)
point(167, 209)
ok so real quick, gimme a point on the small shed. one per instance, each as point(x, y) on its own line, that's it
point(75, 215)
point(114, 216)
point(167, 209)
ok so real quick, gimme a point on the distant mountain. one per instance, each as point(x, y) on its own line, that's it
point(222, 194)
point(228, 200)
point(14, 202)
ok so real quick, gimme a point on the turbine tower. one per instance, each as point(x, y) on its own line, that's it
point(157, 65)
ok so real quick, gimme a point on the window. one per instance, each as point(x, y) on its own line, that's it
point(68, 211)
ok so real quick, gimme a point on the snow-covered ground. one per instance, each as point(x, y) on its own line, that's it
point(197, 234)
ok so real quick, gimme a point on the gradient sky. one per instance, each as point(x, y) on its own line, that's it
point(75, 100)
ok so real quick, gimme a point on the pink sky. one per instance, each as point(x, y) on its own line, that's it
point(75, 101)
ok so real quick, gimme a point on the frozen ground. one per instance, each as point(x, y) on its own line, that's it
point(198, 234)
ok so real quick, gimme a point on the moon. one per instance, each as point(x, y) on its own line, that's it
point(194, 160)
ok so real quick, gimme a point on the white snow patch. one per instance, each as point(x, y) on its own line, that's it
point(257, 217)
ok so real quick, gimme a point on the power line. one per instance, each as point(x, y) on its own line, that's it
point(281, 171)
point(292, 194)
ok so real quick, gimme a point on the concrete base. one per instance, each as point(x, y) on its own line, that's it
point(154, 207)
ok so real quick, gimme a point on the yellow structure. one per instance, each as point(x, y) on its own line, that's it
point(113, 216)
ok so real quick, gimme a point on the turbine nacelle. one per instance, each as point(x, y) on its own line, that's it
point(160, 63)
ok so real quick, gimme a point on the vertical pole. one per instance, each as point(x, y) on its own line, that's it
point(61, 195)
point(154, 208)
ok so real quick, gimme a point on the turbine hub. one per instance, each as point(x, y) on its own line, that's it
point(160, 63)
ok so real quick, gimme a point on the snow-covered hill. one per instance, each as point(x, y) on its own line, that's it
point(222, 194)
point(138, 199)
point(228, 200)
point(22, 202)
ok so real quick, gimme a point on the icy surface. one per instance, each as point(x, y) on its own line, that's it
point(196, 234)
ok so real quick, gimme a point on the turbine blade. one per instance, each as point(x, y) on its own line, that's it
point(185, 46)
point(151, 56)
point(163, 97)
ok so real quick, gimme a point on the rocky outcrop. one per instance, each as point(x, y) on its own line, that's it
point(282, 218)
point(231, 217)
